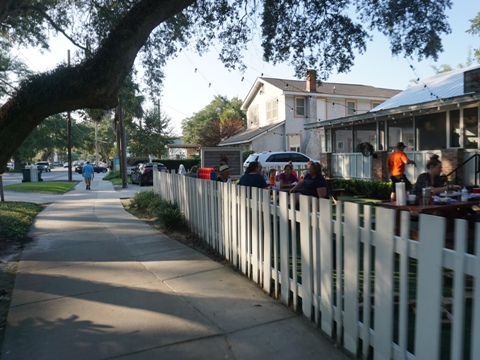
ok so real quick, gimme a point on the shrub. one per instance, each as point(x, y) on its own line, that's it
point(142, 199)
point(168, 215)
point(174, 164)
point(246, 154)
point(371, 189)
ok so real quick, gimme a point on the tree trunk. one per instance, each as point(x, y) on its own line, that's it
point(92, 84)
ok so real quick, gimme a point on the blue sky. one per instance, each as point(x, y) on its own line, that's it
point(186, 91)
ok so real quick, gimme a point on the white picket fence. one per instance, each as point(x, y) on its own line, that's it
point(296, 256)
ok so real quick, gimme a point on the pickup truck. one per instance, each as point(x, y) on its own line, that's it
point(43, 166)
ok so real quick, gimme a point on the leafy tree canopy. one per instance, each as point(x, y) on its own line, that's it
point(475, 30)
point(217, 121)
point(151, 136)
point(321, 34)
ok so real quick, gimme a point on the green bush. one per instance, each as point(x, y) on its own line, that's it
point(246, 154)
point(168, 215)
point(370, 189)
point(174, 164)
point(142, 199)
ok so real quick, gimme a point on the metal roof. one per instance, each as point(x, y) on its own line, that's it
point(442, 86)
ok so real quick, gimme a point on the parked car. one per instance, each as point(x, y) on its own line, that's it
point(96, 168)
point(65, 164)
point(279, 159)
point(10, 165)
point(57, 163)
point(142, 174)
point(43, 166)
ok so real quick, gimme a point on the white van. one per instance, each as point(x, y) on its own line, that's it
point(278, 159)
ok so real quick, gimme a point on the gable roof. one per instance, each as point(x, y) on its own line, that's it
point(249, 134)
point(323, 89)
point(329, 88)
point(442, 86)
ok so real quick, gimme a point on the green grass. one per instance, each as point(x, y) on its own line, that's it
point(363, 201)
point(49, 187)
point(16, 219)
point(115, 179)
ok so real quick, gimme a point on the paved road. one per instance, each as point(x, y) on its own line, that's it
point(56, 174)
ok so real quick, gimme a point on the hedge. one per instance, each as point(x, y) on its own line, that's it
point(174, 164)
point(371, 189)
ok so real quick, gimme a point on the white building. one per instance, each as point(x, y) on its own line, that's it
point(278, 110)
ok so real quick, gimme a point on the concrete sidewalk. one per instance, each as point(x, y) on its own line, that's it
point(97, 283)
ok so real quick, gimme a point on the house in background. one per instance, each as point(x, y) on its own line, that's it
point(278, 111)
point(438, 115)
point(178, 150)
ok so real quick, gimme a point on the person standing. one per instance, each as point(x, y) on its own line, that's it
point(396, 167)
point(87, 173)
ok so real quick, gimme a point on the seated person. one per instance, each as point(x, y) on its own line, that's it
point(253, 177)
point(214, 173)
point(272, 177)
point(193, 172)
point(287, 178)
point(224, 174)
point(293, 171)
point(313, 183)
point(432, 178)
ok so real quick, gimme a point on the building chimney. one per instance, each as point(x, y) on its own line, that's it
point(311, 80)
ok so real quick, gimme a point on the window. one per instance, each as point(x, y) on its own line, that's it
point(299, 158)
point(300, 106)
point(351, 108)
point(375, 104)
point(253, 114)
point(294, 143)
point(272, 110)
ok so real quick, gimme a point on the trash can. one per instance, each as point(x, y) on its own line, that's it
point(33, 173)
point(26, 175)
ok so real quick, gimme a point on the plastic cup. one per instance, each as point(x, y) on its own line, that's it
point(412, 198)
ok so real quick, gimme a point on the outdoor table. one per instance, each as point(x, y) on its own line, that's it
point(450, 211)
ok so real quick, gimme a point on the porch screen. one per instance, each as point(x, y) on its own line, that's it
point(431, 131)
point(470, 123)
point(401, 130)
point(455, 129)
point(365, 133)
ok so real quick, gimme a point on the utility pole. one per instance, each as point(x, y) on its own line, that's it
point(69, 137)
point(122, 141)
point(96, 142)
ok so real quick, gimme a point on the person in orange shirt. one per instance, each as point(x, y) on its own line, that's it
point(396, 168)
